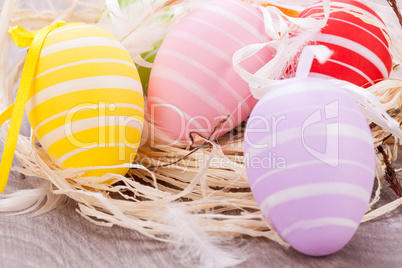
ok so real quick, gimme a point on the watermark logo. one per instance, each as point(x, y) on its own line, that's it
point(330, 154)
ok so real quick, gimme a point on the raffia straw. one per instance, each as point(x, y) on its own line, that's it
point(211, 183)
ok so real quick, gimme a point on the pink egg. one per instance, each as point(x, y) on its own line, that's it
point(361, 51)
point(310, 163)
point(193, 85)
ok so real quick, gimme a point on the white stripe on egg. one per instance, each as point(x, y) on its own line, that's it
point(345, 5)
point(290, 90)
point(83, 149)
point(322, 76)
point(363, 29)
point(89, 107)
point(236, 20)
point(64, 29)
point(84, 62)
point(313, 190)
point(252, 123)
point(186, 116)
point(196, 89)
point(285, 136)
point(204, 44)
point(223, 32)
point(353, 69)
point(252, 11)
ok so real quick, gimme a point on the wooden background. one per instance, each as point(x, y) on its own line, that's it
point(61, 238)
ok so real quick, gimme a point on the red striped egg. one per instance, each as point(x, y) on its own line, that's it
point(310, 163)
point(361, 50)
point(193, 85)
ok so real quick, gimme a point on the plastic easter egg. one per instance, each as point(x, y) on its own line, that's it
point(193, 85)
point(310, 163)
point(361, 50)
point(86, 104)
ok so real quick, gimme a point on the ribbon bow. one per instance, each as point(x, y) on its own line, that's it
point(34, 40)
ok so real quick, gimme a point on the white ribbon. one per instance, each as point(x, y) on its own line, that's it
point(321, 53)
point(369, 104)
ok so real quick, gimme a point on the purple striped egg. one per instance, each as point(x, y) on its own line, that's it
point(310, 163)
point(193, 85)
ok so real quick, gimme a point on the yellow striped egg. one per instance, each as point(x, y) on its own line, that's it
point(86, 103)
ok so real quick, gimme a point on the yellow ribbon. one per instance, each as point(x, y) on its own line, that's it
point(35, 40)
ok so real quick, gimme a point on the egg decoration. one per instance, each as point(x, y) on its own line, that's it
point(86, 104)
point(285, 9)
point(193, 85)
point(310, 163)
point(361, 50)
